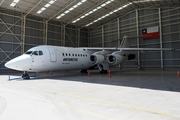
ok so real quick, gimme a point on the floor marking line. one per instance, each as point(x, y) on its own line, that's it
point(104, 101)
point(63, 105)
point(97, 100)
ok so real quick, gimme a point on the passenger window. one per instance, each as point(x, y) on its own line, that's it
point(86, 55)
point(75, 54)
point(40, 53)
point(35, 53)
point(83, 55)
point(69, 54)
point(63, 54)
point(78, 55)
point(66, 54)
point(72, 54)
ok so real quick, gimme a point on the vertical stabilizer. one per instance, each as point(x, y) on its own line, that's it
point(125, 42)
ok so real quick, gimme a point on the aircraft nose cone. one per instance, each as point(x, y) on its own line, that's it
point(10, 64)
point(7, 65)
point(20, 63)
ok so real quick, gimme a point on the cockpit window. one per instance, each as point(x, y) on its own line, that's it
point(40, 53)
point(35, 53)
point(28, 52)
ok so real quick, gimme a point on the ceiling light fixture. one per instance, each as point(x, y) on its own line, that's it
point(99, 7)
point(46, 6)
point(109, 13)
point(67, 11)
point(14, 3)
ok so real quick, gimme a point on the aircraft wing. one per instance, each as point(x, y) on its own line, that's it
point(129, 49)
point(104, 51)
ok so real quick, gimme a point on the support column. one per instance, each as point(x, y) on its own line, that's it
point(63, 34)
point(22, 33)
point(160, 31)
point(45, 32)
point(119, 42)
point(79, 32)
point(89, 38)
point(102, 36)
point(137, 24)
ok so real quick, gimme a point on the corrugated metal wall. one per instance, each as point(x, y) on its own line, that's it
point(138, 20)
point(11, 28)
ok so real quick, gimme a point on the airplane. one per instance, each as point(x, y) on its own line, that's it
point(51, 58)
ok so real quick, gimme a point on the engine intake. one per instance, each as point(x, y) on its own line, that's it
point(96, 59)
point(115, 59)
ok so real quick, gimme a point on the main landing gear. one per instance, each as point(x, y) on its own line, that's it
point(83, 71)
point(101, 70)
point(25, 75)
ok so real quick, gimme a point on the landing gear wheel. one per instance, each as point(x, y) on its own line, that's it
point(103, 71)
point(83, 71)
point(25, 76)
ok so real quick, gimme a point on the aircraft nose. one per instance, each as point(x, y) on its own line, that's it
point(20, 63)
point(8, 64)
point(11, 64)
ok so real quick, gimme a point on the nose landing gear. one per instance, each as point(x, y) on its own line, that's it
point(25, 75)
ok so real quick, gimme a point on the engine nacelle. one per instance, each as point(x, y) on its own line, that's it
point(115, 59)
point(96, 59)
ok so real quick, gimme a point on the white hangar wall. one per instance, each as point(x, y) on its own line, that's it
point(13, 44)
point(131, 24)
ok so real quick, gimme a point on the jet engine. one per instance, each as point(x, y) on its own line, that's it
point(96, 59)
point(115, 59)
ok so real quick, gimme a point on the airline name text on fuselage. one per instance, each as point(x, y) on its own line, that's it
point(70, 59)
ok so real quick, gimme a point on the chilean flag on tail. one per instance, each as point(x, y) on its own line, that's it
point(153, 31)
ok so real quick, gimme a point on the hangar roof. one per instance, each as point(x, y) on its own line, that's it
point(83, 13)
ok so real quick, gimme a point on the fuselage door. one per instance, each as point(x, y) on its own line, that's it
point(53, 57)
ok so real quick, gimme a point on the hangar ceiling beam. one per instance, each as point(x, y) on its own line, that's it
point(67, 4)
point(86, 10)
point(1, 2)
point(95, 17)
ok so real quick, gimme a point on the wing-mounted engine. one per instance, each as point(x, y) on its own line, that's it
point(115, 59)
point(96, 59)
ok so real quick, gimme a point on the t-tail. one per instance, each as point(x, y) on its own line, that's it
point(126, 40)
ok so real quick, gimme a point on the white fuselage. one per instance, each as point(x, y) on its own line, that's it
point(53, 58)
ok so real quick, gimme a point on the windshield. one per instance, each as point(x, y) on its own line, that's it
point(28, 52)
point(34, 53)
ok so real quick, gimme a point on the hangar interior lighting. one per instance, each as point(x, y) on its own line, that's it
point(70, 9)
point(46, 6)
point(99, 7)
point(14, 3)
point(109, 13)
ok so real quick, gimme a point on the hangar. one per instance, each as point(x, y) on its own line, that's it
point(128, 94)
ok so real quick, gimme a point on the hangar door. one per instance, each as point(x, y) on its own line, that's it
point(53, 57)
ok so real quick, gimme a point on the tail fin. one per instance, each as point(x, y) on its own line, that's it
point(125, 42)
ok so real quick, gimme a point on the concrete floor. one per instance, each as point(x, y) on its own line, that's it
point(127, 95)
